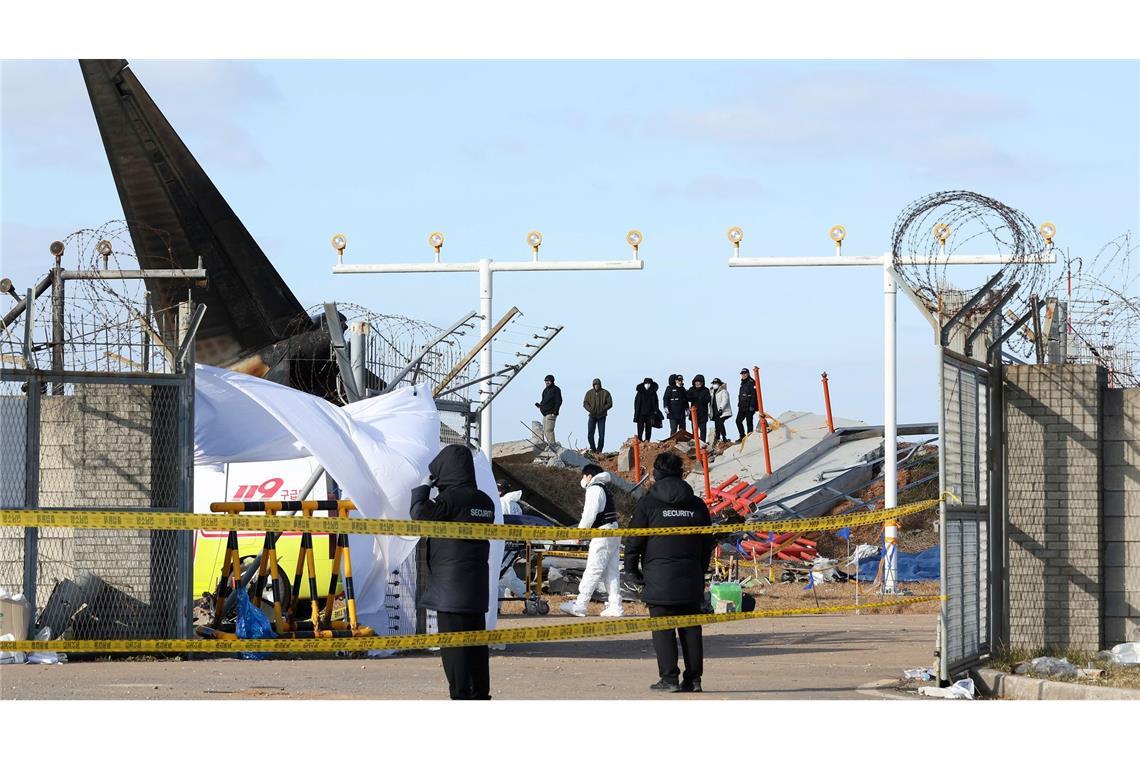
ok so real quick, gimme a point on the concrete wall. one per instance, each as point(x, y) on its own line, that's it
point(1053, 487)
point(1121, 447)
point(109, 447)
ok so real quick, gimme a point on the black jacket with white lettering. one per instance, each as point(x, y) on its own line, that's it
point(457, 572)
point(673, 566)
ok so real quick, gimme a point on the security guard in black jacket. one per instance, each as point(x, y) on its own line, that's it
point(457, 570)
point(673, 568)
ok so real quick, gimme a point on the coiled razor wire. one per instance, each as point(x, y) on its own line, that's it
point(977, 224)
point(108, 325)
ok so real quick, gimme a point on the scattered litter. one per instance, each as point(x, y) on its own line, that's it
point(1093, 673)
point(1127, 653)
point(380, 653)
point(10, 658)
point(963, 689)
point(1047, 666)
point(45, 658)
point(15, 615)
point(919, 674)
point(825, 570)
point(251, 624)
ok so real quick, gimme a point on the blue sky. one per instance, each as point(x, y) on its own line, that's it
point(485, 151)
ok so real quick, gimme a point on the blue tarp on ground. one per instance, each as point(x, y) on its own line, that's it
point(923, 566)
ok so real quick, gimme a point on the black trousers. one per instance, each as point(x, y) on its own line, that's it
point(675, 425)
point(468, 669)
point(703, 426)
point(720, 433)
point(644, 430)
point(741, 419)
point(599, 424)
point(665, 644)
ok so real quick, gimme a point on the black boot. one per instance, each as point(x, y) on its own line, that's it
point(667, 684)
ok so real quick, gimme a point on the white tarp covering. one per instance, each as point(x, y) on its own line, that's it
point(377, 450)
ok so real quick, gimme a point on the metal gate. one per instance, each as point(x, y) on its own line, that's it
point(964, 514)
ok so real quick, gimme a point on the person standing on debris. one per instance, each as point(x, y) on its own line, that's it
point(676, 403)
point(604, 561)
point(673, 569)
point(548, 406)
point(457, 569)
point(720, 409)
point(699, 396)
point(646, 409)
point(745, 403)
point(597, 403)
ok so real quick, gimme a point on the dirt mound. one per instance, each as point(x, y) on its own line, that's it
point(680, 444)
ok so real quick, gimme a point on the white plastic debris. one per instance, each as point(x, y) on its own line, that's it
point(1125, 654)
point(10, 658)
point(1047, 666)
point(45, 658)
point(963, 689)
point(824, 570)
point(920, 674)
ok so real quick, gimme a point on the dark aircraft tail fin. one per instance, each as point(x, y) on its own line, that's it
point(177, 215)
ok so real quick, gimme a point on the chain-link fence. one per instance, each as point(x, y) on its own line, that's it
point(96, 414)
point(101, 442)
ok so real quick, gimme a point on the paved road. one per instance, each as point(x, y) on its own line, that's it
point(812, 657)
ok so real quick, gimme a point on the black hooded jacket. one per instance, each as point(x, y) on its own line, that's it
point(673, 566)
point(746, 400)
point(551, 400)
point(675, 401)
point(645, 403)
point(457, 572)
point(700, 398)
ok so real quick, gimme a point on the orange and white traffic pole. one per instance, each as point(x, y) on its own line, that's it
point(636, 459)
point(827, 405)
point(891, 559)
point(763, 421)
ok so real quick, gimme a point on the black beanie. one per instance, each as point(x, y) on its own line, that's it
point(667, 465)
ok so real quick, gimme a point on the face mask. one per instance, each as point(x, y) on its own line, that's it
point(646, 386)
point(586, 482)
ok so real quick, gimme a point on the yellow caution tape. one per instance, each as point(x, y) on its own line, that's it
point(148, 520)
point(422, 641)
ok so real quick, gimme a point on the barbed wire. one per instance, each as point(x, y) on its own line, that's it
point(108, 324)
point(976, 224)
point(971, 223)
point(1104, 310)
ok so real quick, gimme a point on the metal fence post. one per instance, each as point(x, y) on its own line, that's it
point(944, 605)
point(32, 485)
point(184, 563)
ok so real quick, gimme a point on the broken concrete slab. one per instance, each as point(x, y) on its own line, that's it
point(515, 451)
point(625, 459)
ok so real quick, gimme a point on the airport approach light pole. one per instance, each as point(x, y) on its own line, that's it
point(486, 268)
point(891, 281)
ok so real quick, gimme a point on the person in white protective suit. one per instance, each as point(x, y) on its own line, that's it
point(509, 499)
point(604, 562)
